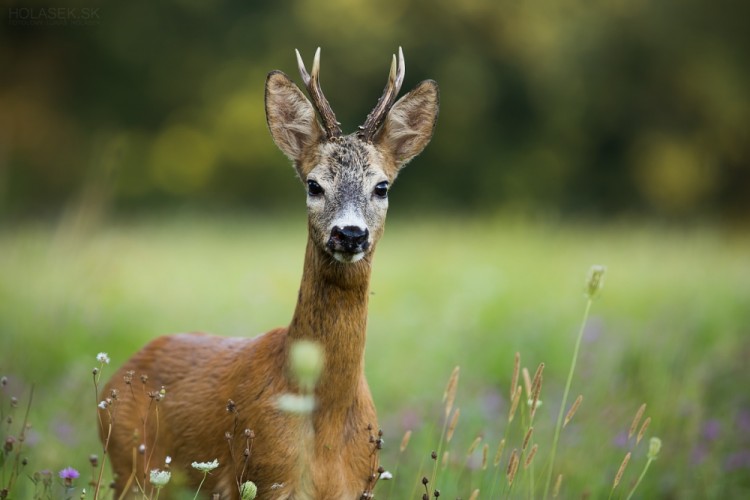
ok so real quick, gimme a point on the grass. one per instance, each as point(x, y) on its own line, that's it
point(670, 329)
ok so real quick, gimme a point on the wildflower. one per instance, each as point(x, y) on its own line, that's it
point(159, 478)
point(248, 491)
point(654, 447)
point(168, 460)
point(386, 476)
point(102, 405)
point(205, 467)
point(68, 474)
point(103, 358)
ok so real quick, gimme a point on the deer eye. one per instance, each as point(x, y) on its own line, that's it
point(314, 189)
point(381, 190)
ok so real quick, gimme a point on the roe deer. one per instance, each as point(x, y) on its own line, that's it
point(347, 179)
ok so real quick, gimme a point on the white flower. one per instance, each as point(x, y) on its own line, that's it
point(102, 358)
point(160, 477)
point(103, 405)
point(205, 467)
point(385, 475)
point(168, 460)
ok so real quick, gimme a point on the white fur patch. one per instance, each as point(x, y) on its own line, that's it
point(348, 258)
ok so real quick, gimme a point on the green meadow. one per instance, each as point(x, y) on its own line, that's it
point(670, 328)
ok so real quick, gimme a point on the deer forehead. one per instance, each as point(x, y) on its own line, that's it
point(349, 163)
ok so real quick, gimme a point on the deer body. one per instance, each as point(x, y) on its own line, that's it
point(327, 453)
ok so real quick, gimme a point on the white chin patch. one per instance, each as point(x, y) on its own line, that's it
point(348, 258)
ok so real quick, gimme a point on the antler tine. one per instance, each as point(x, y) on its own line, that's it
point(392, 87)
point(312, 83)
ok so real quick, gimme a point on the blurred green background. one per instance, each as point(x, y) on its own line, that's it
point(619, 107)
point(141, 194)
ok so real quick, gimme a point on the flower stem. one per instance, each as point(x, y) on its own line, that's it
point(200, 485)
point(640, 478)
point(563, 405)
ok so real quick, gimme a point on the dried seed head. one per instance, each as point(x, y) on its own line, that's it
point(558, 483)
point(636, 420)
point(433, 455)
point(473, 445)
point(9, 442)
point(510, 472)
point(573, 409)
point(595, 281)
point(405, 441)
point(94, 460)
point(425, 480)
point(526, 381)
point(514, 404)
point(144, 378)
point(449, 395)
point(231, 406)
point(642, 432)
point(527, 438)
point(621, 470)
point(3, 381)
point(499, 453)
point(452, 425)
point(654, 447)
point(142, 449)
point(530, 456)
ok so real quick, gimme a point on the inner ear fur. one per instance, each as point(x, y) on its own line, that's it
point(409, 125)
point(290, 117)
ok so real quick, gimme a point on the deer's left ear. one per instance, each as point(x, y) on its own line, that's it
point(410, 122)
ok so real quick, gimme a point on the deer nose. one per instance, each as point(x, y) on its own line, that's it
point(352, 239)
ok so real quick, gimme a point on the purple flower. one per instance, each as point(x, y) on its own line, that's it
point(68, 474)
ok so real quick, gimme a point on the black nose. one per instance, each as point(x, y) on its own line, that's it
point(350, 238)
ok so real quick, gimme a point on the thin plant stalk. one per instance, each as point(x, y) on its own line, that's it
point(200, 485)
point(640, 478)
point(563, 405)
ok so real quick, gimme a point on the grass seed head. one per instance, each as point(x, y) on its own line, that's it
point(642, 432)
point(405, 441)
point(516, 370)
point(449, 395)
point(595, 281)
point(530, 456)
point(636, 420)
point(499, 453)
point(573, 409)
point(452, 425)
point(621, 470)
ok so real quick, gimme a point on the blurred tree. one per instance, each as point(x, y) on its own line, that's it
point(609, 108)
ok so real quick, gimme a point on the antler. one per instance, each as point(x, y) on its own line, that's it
point(392, 87)
point(312, 82)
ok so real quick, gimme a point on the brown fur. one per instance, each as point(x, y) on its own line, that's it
point(325, 455)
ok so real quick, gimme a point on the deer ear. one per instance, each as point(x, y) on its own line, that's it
point(410, 122)
point(290, 116)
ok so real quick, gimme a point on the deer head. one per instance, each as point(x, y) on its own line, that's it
point(348, 176)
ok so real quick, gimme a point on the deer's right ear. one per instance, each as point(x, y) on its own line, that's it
point(290, 116)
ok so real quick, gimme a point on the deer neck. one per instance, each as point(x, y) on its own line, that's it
point(332, 311)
